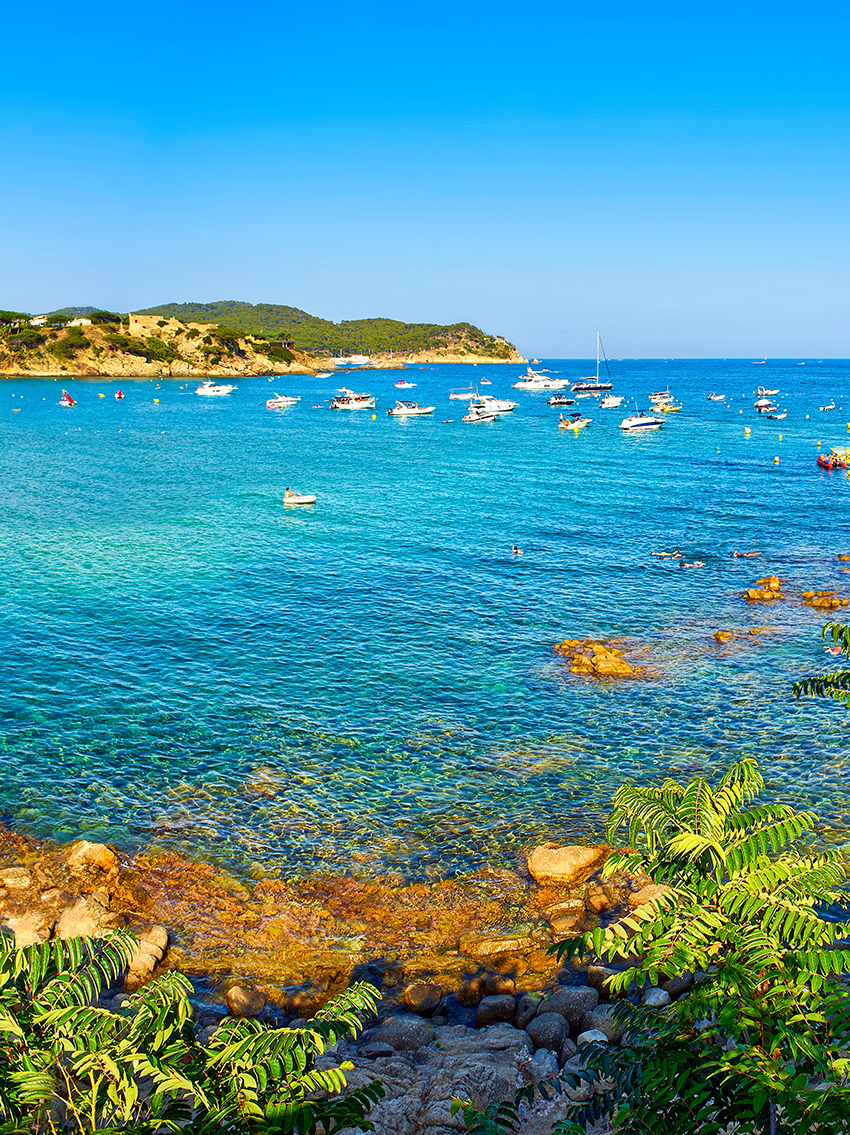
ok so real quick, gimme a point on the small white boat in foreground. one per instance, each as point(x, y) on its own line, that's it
point(280, 400)
point(210, 387)
point(290, 497)
point(347, 400)
point(611, 402)
point(475, 415)
point(484, 382)
point(403, 384)
point(492, 405)
point(712, 397)
point(762, 390)
point(638, 422)
point(408, 409)
point(829, 406)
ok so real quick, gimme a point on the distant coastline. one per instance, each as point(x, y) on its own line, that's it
point(87, 343)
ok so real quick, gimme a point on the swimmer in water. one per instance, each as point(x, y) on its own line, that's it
point(515, 551)
point(744, 555)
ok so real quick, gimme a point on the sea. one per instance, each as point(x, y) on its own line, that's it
point(368, 684)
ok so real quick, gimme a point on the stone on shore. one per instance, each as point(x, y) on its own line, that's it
point(572, 1001)
point(602, 1020)
point(405, 1032)
point(655, 998)
point(552, 864)
point(501, 1007)
point(422, 998)
point(646, 893)
point(93, 864)
point(548, 1030)
point(244, 1001)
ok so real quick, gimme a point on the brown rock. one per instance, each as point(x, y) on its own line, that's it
point(476, 946)
point(723, 636)
point(15, 878)
point(86, 918)
point(471, 992)
point(93, 863)
point(650, 891)
point(422, 998)
point(595, 658)
point(495, 983)
point(30, 927)
point(244, 1001)
point(597, 978)
point(551, 863)
point(492, 1010)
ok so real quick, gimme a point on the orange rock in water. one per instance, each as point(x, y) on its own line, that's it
point(595, 659)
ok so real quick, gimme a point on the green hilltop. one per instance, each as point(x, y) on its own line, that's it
point(352, 336)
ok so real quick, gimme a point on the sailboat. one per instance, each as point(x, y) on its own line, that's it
point(760, 362)
point(589, 383)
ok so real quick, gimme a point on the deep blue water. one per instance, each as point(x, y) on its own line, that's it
point(369, 683)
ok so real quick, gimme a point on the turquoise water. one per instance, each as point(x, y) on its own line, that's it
point(369, 684)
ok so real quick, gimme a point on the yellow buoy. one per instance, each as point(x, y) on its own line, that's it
point(156, 400)
point(776, 461)
point(575, 431)
point(101, 395)
point(780, 437)
point(374, 417)
point(746, 431)
point(818, 445)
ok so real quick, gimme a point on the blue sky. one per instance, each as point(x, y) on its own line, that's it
point(676, 177)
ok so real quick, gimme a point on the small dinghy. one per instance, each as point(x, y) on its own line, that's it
point(119, 394)
point(66, 399)
point(829, 406)
point(298, 498)
point(403, 384)
point(712, 397)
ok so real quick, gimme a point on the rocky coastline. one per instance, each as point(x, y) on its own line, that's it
point(472, 1003)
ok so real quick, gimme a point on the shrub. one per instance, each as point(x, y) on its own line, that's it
point(69, 1065)
point(23, 338)
point(105, 317)
point(760, 1043)
point(72, 341)
point(281, 355)
point(193, 333)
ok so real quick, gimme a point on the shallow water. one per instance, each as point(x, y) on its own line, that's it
point(369, 683)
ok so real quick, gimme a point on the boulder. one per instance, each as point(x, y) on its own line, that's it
point(244, 1001)
point(485, 946)
point(15, 878)
point(543, 1064)
point(596, 659)
point(88, 918)
point(498, 983)
point(571, 1001)
point(526, 1009)
point(655, 998)
point(422, 998)
point(471, 992)
point(678, 986)
point(93, 864)
point(591, 1036)
point(723, 636)
point(602, 1020)
point(597, 978)
point(498, 1038)
point(647, 892)
point(375, 1048)
point(500, 1007)
point(551, 864)
point(405, 1032)
point(30, 927)
point(568, 1051)
point(548, 1030)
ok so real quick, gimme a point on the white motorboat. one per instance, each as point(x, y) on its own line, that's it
point(560, 400)
point(403, 384)
point(298, 498)
point(590, 384)
point(535, 380)
point(463, 395)
point(408, 409)
point(325, 374)
point(763, 405)
point(712, 397)
point(660, 396)
point(587, 393)
point(492, 405)
point(638, 422)
point(484, 382)
point(280, 400)
point(611, 402)
point(829, 406)
point(359, 360)
point(479, 416)
point(210, 387)
point(574, 422)
point(779, 417)
point(762, 391)
point(347, 400)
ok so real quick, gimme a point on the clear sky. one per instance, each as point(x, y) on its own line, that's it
point(675, 175)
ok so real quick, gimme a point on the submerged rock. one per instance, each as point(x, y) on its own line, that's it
point(597, 659)
point(553, 864)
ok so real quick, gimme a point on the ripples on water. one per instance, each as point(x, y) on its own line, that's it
point(370, 684)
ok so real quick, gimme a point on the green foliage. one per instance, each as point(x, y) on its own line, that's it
point(7, 317)
point(280, 354)
point(59, 319)
point(67, 1065)
point(761, 1040)
point(498, 1118)
point(836, 683)
point(309, 332)
point(22, 338)
point(125, 343)
point(72, 341)
point(193, 333)
point(105, 317)
point(160, 351)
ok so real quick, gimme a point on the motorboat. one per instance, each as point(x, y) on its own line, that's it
point(778, 417)
point(484, 382)
point(280, 400)
point(403, 384)
point(298, 498)
point(493, 405)
point(833, 461)
point(476, 415)
point(762, 391)
point(463, 395)
point(560, 400)
point(764, 405)
point(660, 396)
point(830, 406)
point(119, 394)
point(325, 374)
point(210, 387)
point(712, 397)
point(667, 407)
point(587, 393)
point(638, 422)
point(408, 409)
point(347, 400)
point(590, 384)
point(66, 399)
point(535, 380)
point(611, 402)
point(574, 422)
